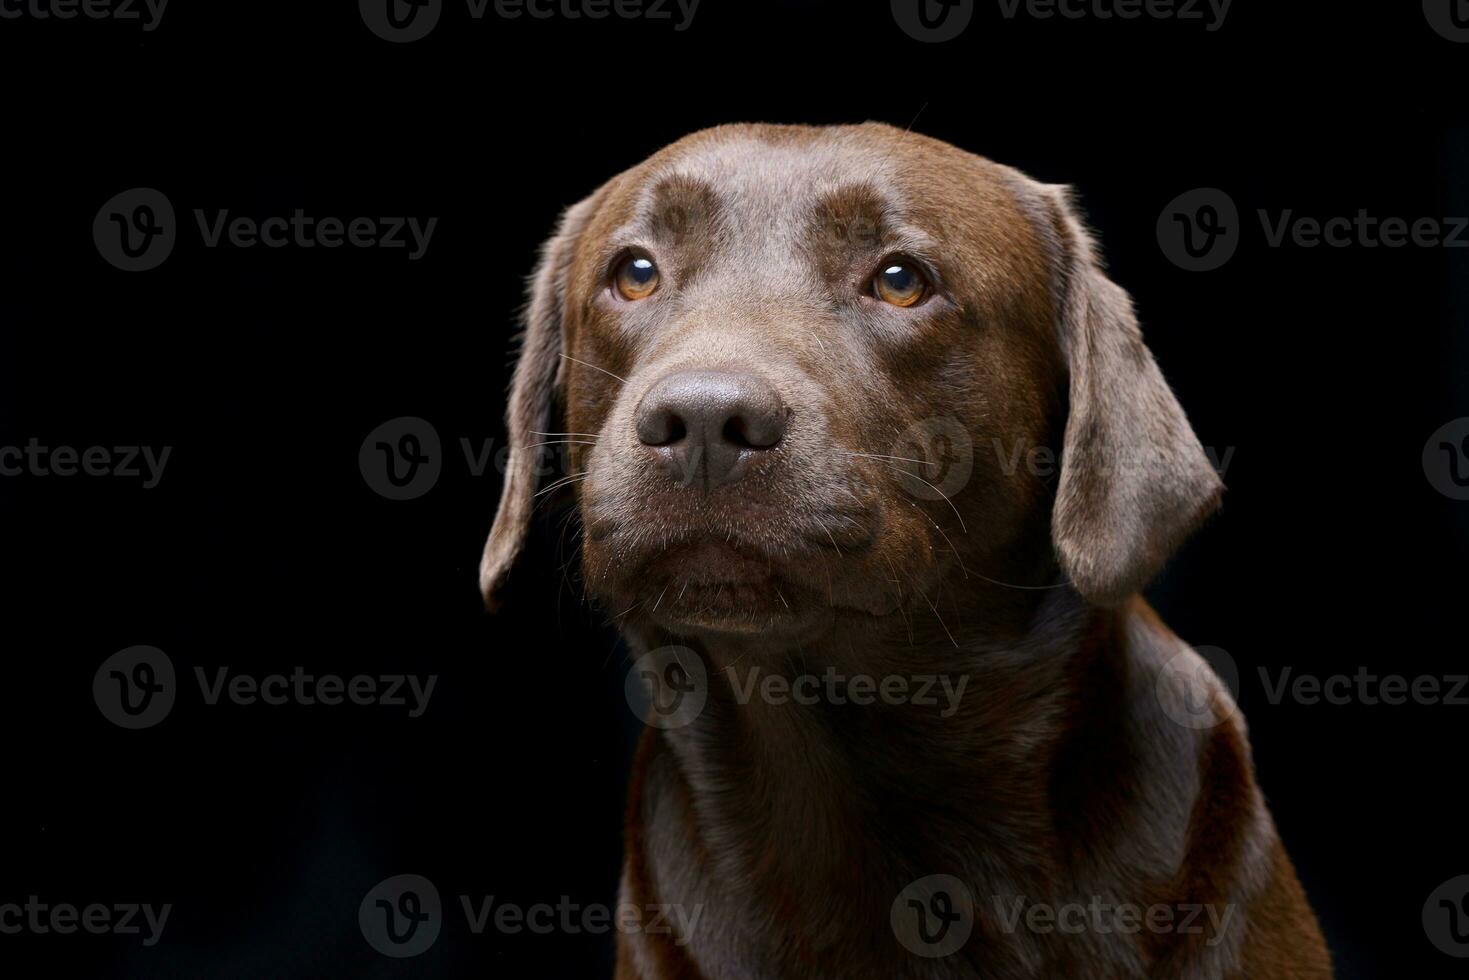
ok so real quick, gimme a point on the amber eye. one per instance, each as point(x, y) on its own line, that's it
point(637, 277)
point(899, 283)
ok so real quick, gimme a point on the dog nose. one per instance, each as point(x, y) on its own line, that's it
point(710, 423)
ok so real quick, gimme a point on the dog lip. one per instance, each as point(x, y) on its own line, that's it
point(713, 562)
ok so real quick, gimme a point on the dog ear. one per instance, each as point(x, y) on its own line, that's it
point(533, 393)
point(1135, 481)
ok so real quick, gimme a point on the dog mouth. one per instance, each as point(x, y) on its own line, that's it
point(714, 584)
point(727, 582)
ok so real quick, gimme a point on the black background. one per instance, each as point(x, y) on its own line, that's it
point(263, 548)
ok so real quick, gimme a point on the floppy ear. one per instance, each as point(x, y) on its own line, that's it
point(1135, 481)
point(533, 391)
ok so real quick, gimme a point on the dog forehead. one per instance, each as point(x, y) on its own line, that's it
point(775, 164)
point(769, 179)
point(772, 182)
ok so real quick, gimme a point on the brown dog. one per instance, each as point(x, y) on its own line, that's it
point(756, 344)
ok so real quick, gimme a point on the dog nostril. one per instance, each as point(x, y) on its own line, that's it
point(661, 427)
point(742, 433)
point(734, 433)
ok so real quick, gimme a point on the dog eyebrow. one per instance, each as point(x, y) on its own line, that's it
point(866, 215)
point(675, 207)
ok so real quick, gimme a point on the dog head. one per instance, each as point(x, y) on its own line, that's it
point(808, 372)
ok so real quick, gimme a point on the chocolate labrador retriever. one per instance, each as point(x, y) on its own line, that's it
point(870, 463)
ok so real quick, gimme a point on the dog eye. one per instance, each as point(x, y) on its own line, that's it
point(900, 283)
point(637, 277)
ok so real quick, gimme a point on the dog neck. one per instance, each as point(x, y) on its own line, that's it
point(867, 759)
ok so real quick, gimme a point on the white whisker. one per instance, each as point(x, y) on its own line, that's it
point(904, 459)
point(937, 491)
point(595, 368)
point(573, 478)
